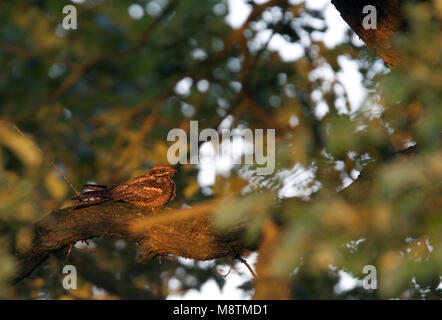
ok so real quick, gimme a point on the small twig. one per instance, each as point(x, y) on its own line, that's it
point(68, 254)
point(166, 257)
point(51, 162)
point(407, 151)
point(255, 276)
point(223, 275)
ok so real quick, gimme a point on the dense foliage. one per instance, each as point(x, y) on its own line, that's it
point(101, 99)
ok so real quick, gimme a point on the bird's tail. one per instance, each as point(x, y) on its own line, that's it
point(90, 198)
point(94, 187)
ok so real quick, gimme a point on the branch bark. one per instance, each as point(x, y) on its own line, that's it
point(389, 20)
point(187, 233)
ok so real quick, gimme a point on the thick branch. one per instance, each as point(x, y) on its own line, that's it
point(389, 21)
point(187, 233)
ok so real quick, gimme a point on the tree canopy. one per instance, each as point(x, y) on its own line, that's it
point(353, 185)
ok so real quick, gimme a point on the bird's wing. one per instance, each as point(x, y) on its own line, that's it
point(136, 192)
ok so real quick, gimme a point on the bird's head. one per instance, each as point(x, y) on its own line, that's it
point(162, 171)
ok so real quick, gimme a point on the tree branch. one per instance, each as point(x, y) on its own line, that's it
point(187, 233)
point(389, 21)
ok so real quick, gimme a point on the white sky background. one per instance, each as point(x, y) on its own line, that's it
point(352, 82)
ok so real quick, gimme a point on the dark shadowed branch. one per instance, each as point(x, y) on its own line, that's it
point(389, 14)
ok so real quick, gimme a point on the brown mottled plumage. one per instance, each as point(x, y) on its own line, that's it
point(153, 189)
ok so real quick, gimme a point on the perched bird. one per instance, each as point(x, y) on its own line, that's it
point(153, 189)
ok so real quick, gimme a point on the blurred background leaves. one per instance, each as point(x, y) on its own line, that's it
point(100, 100)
